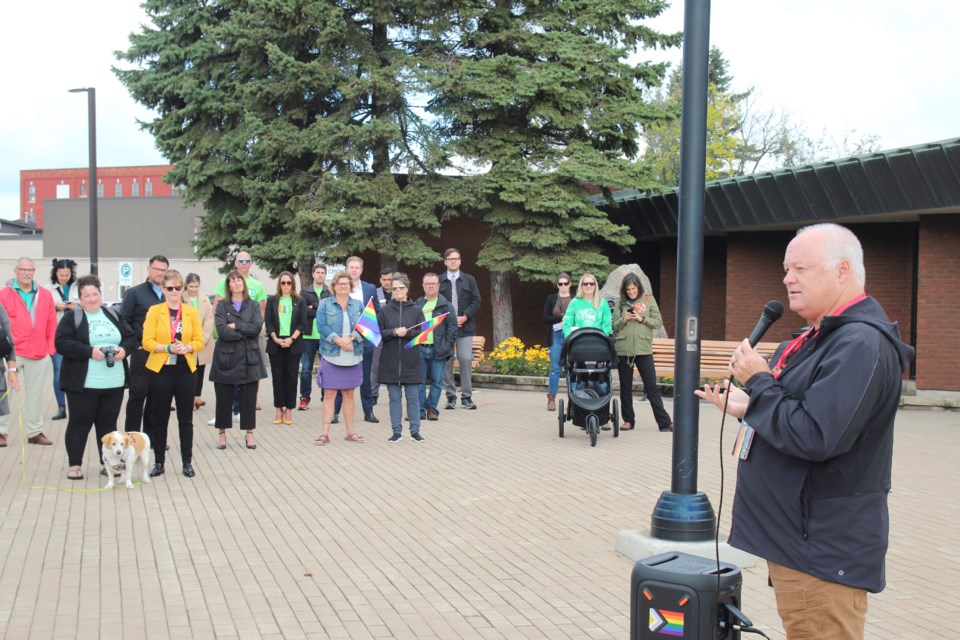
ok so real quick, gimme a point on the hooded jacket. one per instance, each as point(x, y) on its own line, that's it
point(812, 493)
point(399, 365)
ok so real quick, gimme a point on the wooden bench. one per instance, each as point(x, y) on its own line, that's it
point(477, 345)
point(714, 356)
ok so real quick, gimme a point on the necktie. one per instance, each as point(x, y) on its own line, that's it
point(453, 296)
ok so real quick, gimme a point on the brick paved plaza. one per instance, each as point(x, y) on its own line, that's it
point(492, 528)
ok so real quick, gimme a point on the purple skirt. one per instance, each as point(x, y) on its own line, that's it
point(336, 377)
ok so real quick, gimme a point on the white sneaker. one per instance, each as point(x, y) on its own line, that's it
point(212, 422)
point(236, 417)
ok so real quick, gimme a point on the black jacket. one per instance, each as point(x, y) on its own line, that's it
point(312, 302)
point(549, 318)
point(468, 300)
point(136, 301)
point(298, 322)
point(397, 364)
point(73, 343)
point(236, 355)
point(445, 335)
point(812, 494)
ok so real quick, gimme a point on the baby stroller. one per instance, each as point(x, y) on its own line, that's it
point(588, 356)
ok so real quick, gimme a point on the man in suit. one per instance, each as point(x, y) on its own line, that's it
point(364, 292)
point(461, 290)
point(136, 301)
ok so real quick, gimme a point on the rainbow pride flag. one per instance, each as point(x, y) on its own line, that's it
point(426, 327)
point(367, 325)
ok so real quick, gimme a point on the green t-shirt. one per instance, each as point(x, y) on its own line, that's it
point(103, 333)
point(428, 308)
point(254, 286)
point(312, 333)
point(285, 312)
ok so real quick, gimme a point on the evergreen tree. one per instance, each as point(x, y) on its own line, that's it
point(541, 99)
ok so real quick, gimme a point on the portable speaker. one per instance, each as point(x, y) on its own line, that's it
point(675, 595)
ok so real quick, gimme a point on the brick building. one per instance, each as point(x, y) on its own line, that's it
point(37, 185)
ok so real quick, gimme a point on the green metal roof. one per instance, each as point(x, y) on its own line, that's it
point(885, 186)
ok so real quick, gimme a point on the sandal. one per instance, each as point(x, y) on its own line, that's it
point(75, 473)
point(249, 439)
point(626, 426)
point(354, 437)
point(222, 440)
point(322, 439)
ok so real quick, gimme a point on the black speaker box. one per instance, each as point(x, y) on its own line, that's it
point(677, 595)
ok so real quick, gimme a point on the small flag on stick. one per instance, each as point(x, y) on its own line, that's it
point(367, 325)
point(426, 328)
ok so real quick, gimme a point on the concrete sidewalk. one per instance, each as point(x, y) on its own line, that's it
point(493, 528)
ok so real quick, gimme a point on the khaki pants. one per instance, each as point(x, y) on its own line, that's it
point(814, 609)
point(34, 380)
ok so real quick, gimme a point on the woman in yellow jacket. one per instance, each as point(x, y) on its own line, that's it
point(172, 335)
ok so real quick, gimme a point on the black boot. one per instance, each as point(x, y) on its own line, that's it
point(61, 413)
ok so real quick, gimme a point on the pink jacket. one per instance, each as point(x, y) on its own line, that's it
point(31, 340)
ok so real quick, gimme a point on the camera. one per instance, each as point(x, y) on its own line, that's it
point(109, 355)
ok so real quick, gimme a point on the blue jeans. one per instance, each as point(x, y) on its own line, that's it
point(556, 346)
point(413, 406)
point(310, 350)
point(600, 387)
point(61, 399)
point(433, 370)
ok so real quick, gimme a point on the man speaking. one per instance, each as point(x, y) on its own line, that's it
point(817, 432)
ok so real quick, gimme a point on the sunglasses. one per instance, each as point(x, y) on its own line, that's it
point(589, 284)
point(284, 283)
point(174, 288)
point(244, 261)
point(563, 284)
point(400, 288)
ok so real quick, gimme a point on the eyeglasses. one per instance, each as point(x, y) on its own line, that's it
point(174, 288)
point(286, 283)
point(25, 270)
point(589, 284)
point(563, 284)
point(400, 288)
point(452, 259)
point(160, 269)
point(247, 261)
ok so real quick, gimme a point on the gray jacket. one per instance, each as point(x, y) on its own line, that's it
point(236, 356)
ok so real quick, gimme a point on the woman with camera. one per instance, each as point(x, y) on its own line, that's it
point(172, 335)
point(94, 342)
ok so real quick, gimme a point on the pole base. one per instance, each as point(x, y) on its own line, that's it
point(683, 517)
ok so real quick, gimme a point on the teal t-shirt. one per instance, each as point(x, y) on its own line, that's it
point(285, 311)
point(254, 286)
point(103, 333)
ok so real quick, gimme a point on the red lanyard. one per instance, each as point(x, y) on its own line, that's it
point(801, 340)
point(174, 323)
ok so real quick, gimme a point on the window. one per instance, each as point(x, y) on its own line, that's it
point(135, 188)
point(31, 193)
point(99, 188)
point(63, 191)
point(118, 191)
point(83, 189)
point(148, 190)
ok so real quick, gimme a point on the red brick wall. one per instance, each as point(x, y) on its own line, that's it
point(714, 287)
point(938, 305)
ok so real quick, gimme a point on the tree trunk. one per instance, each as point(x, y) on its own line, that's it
point(502, 303)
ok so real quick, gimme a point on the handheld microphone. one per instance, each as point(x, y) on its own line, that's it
point(771, 313)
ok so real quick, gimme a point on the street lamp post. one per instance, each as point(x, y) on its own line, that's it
point(92, 188)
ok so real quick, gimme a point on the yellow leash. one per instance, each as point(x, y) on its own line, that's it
point(23, 462)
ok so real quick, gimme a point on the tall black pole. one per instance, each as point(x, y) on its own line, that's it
point(92, 189)
point(683, 513)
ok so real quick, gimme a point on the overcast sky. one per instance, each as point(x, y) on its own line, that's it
point(885, 68)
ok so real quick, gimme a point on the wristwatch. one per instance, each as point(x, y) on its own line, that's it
point(12, 370)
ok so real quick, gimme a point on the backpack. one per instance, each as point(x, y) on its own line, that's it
point(78, 316)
